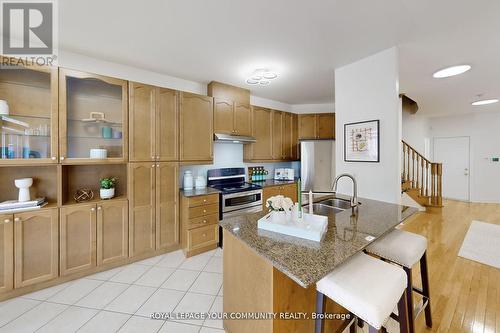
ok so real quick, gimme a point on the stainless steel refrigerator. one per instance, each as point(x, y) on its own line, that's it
point(317, 165)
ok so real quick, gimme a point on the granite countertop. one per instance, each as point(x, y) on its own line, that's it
point(306, 262)
point(197, 192)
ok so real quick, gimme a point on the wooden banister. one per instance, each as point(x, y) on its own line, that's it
point(422, 175)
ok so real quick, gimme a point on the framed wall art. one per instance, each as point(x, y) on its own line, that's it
point(362, 141)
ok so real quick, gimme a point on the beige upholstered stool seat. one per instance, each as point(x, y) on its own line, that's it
point(402, 247)
point(366, 286)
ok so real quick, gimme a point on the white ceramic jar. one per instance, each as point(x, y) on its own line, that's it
point(188, 180)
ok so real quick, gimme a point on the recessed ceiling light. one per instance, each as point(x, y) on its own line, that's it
point(451, 71)
point(261, 77)
point(485, 102)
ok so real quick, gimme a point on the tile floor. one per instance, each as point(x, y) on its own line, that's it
point(122, 299)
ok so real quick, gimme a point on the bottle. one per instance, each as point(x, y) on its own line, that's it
point(253, 175)
point(188, 180)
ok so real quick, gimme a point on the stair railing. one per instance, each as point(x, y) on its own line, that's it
point(421, 174)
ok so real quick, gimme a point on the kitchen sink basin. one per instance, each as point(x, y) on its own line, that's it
point(321, 209)
point(337, 203)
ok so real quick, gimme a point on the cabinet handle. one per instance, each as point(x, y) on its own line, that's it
point(53, 158)
point(204, 235)
point(158, 157)
point(157, 165)
point(99, 208)
point(153, 166)
point(204, 200)
point(62, 158)
point(152, 157)
point(6, 221)
point(17, 219)
point(92, 209)
point(204, 211)
point(204, 221)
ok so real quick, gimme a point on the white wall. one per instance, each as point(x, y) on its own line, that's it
point(367, 90)
point(230, 155)
point(417, 132)
point(484, 133)
point(313, 108)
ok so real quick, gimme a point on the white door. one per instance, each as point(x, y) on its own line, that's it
point(454, 154)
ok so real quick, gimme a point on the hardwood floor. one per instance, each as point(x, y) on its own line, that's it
point(465, 295)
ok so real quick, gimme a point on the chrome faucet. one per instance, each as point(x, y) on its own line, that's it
point(354, 198)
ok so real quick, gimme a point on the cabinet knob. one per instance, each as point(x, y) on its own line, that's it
point(99, 208)
point(158, 157)
point(17, 219)
point(204, 235)
point(62, 158)
point(204, 211)
point(204, 221)
point(53, 158)
point(153, 166)
point(6, 221)
point(204, 200)
point(92, 209)
point(152, 157)
point(157, 165)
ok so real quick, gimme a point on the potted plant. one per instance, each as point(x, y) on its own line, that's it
point(107, 187)
point(280, 207)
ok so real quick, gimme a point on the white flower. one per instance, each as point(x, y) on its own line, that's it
point(279, 203)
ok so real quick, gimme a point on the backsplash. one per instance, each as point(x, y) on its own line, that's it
point(230, 155)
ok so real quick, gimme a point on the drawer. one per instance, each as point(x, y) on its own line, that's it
point(203, 221)
point(203, 210)
point(203, 200)
point(203, 236)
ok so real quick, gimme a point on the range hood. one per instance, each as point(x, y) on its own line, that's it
point(227, 138)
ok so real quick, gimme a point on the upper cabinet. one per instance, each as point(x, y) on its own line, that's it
point(154, 120)
point(93, 118)
point(28, 114)
point(196, 128)
point(262, 149)
point(316, 126)
point(232, 117)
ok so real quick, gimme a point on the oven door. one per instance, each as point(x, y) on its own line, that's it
point(242, 202)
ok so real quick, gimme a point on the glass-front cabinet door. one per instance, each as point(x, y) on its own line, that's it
point(28, 113)
point(93, 118)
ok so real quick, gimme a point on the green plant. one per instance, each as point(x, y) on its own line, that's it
point(107, 183)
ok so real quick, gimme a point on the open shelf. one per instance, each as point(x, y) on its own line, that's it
point(44, 181)
point(95, 200)
point(75, 177)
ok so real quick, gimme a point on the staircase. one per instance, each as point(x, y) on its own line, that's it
point(421, 179)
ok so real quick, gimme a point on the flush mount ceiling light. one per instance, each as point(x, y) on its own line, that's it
point(451, 71)
point(485, 102)
point(261, 77)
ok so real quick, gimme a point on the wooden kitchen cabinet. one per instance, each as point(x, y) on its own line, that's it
point(196, 128)
point(242, 119)
point(277, 135)
point(232, 118)
point(199, 223)
point(78, 238)
point(154, 119)
point(112, 231)
point(262, 131)
point(317, 126)
point(287, 190)
point(295, 137)
point(35, 247)
point(6, 253)
point(167, 217)
point(287, 136)
point(142, 224)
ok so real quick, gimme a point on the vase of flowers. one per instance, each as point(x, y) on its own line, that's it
point(280, 207)
point(107, 190)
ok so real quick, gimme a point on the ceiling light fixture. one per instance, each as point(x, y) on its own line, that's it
point(451, 71)
point(262, 77)
point(485, 102)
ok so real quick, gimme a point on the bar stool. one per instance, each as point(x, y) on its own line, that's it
point(406, 249)
point(368, 288)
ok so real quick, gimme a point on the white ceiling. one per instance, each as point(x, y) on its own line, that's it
point(225, 40)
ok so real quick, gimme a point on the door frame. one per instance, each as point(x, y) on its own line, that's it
point(469, 166)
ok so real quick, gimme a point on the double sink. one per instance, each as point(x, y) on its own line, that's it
point(330, 206)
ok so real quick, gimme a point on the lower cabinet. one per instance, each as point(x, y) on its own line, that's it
point(153, 207)
point(93, 234)
point(288, 190)
point(6, 253)
point(199, 221)
point(35, 247)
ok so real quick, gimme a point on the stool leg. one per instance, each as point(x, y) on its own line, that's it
point(403, 314)
point(320, 305)
point(409, 300)
point(352, 328)
point(372, 329)
point(425, 289)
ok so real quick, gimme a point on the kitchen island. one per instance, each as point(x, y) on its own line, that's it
point(266, 272)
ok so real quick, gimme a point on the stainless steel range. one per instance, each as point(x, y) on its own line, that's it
point(237, 196)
